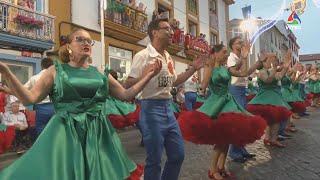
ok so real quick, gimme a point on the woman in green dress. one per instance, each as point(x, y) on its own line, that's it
point(291, 92)
point(121, 114)
point(314, 85)
point(78, 143)
point(269, 103)
point(220, 121)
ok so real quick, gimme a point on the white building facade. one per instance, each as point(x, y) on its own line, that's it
point(209, 17)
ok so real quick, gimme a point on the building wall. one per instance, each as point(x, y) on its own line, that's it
point(310, 62)
point(85, 13)
point(270, 41)
point(180, 11)
point(80, 14)
point(62, 11)
point(222, 21)
point(204, 20)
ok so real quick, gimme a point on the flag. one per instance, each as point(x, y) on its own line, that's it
point(246, 12)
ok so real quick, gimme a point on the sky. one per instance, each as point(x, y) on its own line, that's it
point(308, 36)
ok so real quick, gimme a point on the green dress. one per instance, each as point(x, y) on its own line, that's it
point(220, 120)
point(313, 86)
point(118, 107)
point(220, 100)
point(78, 143)
point(3, 127)
point(269, 94)
point(269, 103)
point(290, 91)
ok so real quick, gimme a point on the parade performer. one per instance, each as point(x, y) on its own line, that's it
point(121, 114)
point(268, 102)
point(291, 92)
point(77, 143)
point(314, 85)
point(238, 90)
point(158, 124)
point(221, 120)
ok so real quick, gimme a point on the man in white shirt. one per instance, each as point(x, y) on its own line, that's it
point(11, 99)
point(190, 91)
point(44, 109)
point(238, 90)
point(18, 120)
point(157, 122)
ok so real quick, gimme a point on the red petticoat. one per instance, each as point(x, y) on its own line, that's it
point(298, 107)
point(137, 173)
point(308, 100)
point(228, 128)
point(272, 114)
point(309, 96)
point(6, 139)
point(250, 97)
point(121, 121)
point(315, 95)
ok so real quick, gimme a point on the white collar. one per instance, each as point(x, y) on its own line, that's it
point(154, 53)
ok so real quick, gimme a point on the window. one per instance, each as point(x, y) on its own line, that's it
point(237, 32)
point(271, 37)
point(193, 28)
point(213, 6)
point(213, 39)
point(192, 6)
point(23, 71)
point(120, 61)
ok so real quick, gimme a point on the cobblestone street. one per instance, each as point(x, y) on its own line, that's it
point(300, 160)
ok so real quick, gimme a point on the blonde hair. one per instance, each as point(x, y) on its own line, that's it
point(63, 52)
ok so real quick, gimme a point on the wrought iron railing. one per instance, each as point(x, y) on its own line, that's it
point(127, 16)
point(23, 22)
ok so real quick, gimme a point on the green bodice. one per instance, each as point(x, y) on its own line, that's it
point(286, 82)
point(313, 86)
point(269, 94)
point(220, 100)
point(78, 143)
point(3, 127)
point(290, 91)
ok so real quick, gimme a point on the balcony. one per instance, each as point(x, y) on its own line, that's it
point(214, 21)
point(24, 29)
point(125, 23)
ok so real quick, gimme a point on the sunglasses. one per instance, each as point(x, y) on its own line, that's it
point(83, 40)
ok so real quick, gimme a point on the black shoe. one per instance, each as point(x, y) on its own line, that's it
point(304, 114)
point(249, 156)
point(240, 160)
